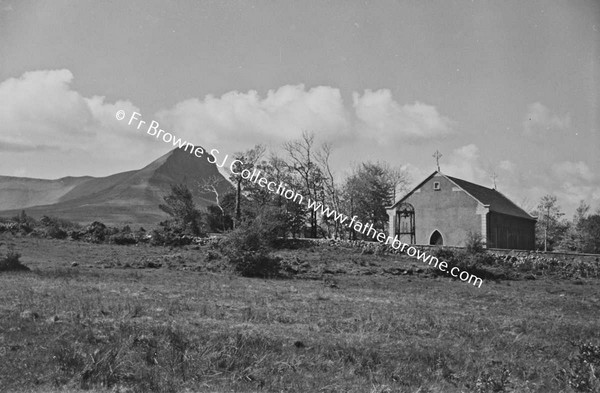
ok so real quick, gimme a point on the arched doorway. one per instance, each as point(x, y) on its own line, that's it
point(436, 239)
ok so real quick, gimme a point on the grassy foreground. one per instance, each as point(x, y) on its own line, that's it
point(186, 326)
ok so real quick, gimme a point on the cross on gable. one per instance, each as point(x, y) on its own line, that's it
point(494, 176)
point(437, 155)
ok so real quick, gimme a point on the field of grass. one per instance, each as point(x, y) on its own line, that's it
point(151, 319)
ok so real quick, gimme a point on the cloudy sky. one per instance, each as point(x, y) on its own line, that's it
point(509, 87)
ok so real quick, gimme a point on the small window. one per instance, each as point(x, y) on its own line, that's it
point(436, 185)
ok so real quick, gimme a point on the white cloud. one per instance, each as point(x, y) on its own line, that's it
point(41, 115)
point(40, 109)
point(386, 120)
point(539, 118)
point(40, 103)
point(239, 120)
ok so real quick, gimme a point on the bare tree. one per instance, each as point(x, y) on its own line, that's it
point(210, 185)
point(331, 190)
point(302, 162)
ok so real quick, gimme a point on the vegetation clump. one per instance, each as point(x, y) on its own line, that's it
point(186, 220)
point(10, 262)
point(582, 373)
point(249, 247)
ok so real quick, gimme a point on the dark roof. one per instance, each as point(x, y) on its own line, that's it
point(498, 203)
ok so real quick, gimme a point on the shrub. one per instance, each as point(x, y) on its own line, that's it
point(259, 233)
point(244, 239)
point(55, 232)
point(256, 264)
point(169, 234)
point(11, 262)
point(247, 247)
point(22, 224)
point(97, 232)
point(474, 243)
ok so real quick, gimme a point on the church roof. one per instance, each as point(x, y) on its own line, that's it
point(496, 201)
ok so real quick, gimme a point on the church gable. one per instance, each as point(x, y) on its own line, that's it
point(442, 210)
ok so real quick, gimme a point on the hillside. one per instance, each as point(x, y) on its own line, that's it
point(22, 192)
point(124, 198)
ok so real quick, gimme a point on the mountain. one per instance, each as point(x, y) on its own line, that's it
point(124, 198)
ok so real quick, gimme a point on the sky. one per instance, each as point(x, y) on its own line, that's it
point(504, 87)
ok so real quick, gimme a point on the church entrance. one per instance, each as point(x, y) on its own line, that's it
point(436, 239)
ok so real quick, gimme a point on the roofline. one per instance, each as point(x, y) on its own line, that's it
point(466, 192)
point(413, 190)
point(530, 216)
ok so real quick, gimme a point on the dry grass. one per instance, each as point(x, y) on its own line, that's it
point(185, 328)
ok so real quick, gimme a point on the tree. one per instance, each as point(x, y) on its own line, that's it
point(293, 214)
point(330, 188)
point(310, 176)
point(246, 161)
point(549, 228)
point(574, 238)
point(591, 230)
point(179, 204)
point(371, 188)
point(211, 185)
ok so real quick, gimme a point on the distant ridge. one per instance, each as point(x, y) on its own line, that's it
point(130, 197)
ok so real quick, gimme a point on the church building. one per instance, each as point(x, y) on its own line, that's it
point(442, 210)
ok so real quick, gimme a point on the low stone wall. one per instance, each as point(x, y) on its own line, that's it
point(368, 246)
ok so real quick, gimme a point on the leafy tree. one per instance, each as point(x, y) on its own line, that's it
point(549, 228)
point(246, 161)
point(370, 189)
point(292, 214)
point(574, 238)
point(591, 229)
point(179, 204)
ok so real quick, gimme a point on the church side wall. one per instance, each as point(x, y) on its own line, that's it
point(510, 232)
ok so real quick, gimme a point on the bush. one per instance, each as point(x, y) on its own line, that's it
point(257, 234)
point(256, 264)
point(11, 262)
point(55, 232)
point(97, 232)
point(248, 246)
point(25, 223)
point(474, 243)
point(169, 234)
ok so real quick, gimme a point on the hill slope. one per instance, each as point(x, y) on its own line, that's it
point(124, 198)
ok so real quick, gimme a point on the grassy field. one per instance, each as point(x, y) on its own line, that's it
point(150, 319)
